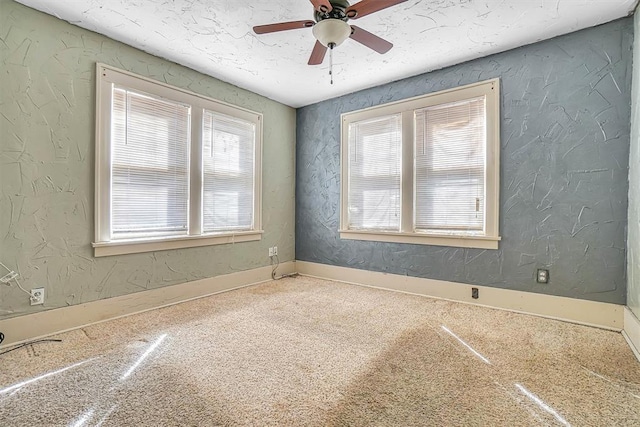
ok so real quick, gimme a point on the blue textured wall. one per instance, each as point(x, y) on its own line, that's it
point(564, 160)
point(633, 241)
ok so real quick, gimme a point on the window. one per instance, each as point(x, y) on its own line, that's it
point(424, 170)
point(374, 173)
point(173, 169)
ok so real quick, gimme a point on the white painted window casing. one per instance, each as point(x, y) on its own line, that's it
point(174, 169)
point(424, 170)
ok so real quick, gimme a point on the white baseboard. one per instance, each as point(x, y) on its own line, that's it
point(631, 331)
point(603, 315)
point(32, 326)
point(591, 313)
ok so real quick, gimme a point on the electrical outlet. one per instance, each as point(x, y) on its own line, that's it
point(37, 296)
point(270, 252)
point(275, 250)
point(542, 275)
point(475, 293)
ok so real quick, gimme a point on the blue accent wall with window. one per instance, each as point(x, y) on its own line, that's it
point(565, 131)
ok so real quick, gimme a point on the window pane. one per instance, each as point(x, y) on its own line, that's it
point(450, 167)
point(375, 150)
point(228, 153)
point(150, 162)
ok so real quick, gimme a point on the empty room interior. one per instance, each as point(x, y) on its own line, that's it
point(319, 213)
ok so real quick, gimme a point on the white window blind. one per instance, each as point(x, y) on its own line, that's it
point(150, 165)
point(228, 153)
point(375, 159)
point(450, 143)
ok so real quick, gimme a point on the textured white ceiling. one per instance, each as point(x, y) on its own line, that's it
point(215, 37)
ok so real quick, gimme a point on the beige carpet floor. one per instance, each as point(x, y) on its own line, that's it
point(308, 352)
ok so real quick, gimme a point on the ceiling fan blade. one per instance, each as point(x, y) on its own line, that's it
point(318, 53)
point(370, 40)
point(366, 7)
point(323, 6)
point(282, 26)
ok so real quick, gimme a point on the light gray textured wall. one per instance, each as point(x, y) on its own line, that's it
point(565, 155)
point(633, 241)
point(47, 107)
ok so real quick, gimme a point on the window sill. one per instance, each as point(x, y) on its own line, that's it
point(121, 247)
point(479, 242)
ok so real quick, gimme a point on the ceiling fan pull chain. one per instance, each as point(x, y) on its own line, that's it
point(331, 45)
point(331, 65)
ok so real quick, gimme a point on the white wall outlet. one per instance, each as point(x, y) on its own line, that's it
point(37, 296)
point(270, 251)
point(275, 250)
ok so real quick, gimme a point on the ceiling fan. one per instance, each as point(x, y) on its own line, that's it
point(330, 27)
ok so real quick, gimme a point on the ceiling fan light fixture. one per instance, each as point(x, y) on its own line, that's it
point(331, 32)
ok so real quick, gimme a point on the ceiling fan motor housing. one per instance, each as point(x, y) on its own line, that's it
point(339, 11)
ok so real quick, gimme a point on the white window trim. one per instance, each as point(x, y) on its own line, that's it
point(122, 247)
point(103, 246)
point(490, 89)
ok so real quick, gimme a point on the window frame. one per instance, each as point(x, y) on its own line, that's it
point(106, 76)
point(407, 234)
